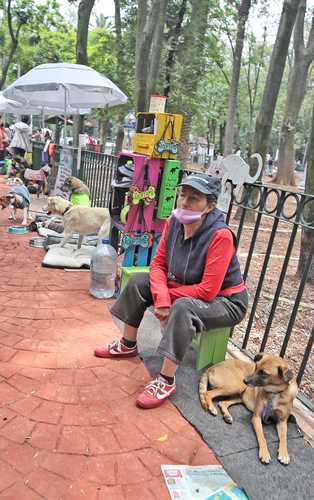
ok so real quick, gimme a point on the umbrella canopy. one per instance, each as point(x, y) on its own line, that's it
point(8, 105)
point(67, 86)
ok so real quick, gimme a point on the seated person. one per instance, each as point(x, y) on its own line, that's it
point(195, 284)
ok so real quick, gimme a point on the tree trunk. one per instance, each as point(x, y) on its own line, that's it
point(264, 119)
point(120, 134)
point(148, 19)
point(104, 123)
point(84, 12)
point(243, 10)
point(169, 66)
point(157, 44)
point(303, 57)
point(14, 42)
point(307, 238)
point(222, 127)
point(184, 150)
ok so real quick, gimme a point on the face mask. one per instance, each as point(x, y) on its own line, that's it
point(187, 216)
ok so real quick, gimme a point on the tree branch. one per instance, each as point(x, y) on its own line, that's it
point(9, 13)
point(220, 66)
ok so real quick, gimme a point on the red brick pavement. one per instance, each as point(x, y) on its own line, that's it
point(69, 427)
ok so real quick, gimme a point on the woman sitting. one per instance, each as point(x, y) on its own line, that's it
point(195, 284)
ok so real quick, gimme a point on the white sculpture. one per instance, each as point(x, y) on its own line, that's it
point(233, 168)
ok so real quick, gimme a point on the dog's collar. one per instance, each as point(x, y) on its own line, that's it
point(67, 209)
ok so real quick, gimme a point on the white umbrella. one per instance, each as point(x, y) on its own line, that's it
point(66, 85)
point(63, 85)
point(8, 105)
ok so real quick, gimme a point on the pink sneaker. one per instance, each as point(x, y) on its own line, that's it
point(116, 350)
point(155, 393)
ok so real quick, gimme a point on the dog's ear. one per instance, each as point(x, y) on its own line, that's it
point(285, 373)
point(258, 357)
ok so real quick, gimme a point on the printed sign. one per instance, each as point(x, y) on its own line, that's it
point(64, 171)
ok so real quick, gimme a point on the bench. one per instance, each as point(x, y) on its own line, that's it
point(211, 346)
point(126, 273)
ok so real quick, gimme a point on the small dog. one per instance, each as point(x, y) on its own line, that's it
point(267, 389)
point(79, 192)
point(37, 180)
point(77, 219)
point(17, 198)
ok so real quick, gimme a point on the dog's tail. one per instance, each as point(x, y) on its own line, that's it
point(202, 389)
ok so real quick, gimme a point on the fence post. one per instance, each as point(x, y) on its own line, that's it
point(78, 159)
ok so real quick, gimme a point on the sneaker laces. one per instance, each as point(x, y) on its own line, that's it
point(117, 344)
point(155, 385)
point(114, 343)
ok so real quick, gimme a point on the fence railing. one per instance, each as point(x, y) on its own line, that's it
point(281, 317)
point(97, 171)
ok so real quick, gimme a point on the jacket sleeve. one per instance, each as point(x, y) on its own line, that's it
point(219, 255)
point(158, 273)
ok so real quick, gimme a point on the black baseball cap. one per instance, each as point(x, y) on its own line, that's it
point(203, 183)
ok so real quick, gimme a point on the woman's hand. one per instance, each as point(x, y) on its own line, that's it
point(162, 313)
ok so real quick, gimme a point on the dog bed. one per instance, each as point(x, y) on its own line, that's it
point(68, 257)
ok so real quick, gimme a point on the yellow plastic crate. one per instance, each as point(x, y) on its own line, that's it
point(157, 135)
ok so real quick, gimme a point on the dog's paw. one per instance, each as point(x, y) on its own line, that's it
point(283, 459)
point(212, 410)
point(24, 223)
point(228, 419)
point(265, 457)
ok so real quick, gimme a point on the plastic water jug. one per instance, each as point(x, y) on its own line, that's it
point(103, 270)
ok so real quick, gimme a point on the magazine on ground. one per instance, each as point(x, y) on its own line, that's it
point(205, 482)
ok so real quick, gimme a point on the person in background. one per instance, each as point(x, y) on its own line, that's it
point(45, 153)
point(21, 138)
point(37, 136)
point(194, 284)
point(4, 141)
point(90, 140)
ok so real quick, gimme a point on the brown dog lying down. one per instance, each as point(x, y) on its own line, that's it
point(267, 389)
point(77, 219)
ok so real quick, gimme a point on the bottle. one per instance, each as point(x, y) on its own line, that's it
point(103, 270)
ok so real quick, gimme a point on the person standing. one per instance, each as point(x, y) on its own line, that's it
point(21, 140)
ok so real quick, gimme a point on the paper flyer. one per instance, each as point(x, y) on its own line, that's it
point(205, 482)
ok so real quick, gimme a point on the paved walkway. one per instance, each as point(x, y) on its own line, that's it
point(69, 428)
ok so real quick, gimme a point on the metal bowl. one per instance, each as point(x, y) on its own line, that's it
point(38, 242)
point(17, 230)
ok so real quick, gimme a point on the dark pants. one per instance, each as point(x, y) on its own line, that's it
point(188, 316)
point(18, 152)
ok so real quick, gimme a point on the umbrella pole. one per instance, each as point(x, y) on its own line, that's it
point(65, 116)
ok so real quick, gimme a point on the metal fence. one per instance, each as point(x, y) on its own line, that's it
point(97, 171)
point(269, 248)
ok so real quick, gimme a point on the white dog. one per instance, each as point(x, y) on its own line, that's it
point(78, 219)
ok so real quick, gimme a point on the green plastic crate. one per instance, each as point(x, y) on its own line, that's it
point(211, 346)
point(167, 195)
point(128, 271)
